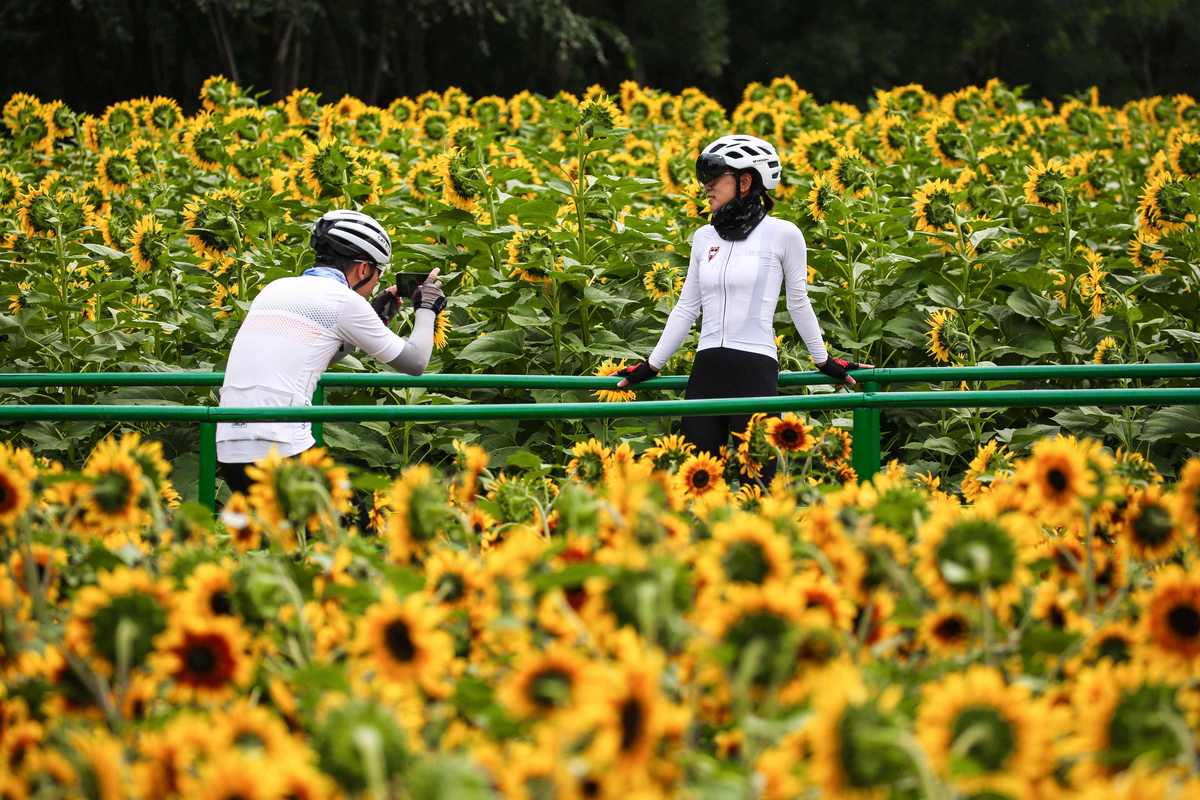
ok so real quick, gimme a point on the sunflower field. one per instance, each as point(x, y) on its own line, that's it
point(634, 629)
point(979, 227)
point(567, 610)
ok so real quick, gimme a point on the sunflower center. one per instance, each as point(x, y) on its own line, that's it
point(1184, 621)
point(550, 688)
point(700, 478)
point(1114, 648)
point(8, 495)
point(200, 659)
point(633, 715)
point(1153, 526)
point(976, 553)
point(985, 735)
point(399, 641)
point(112, 492)
point(1140, 727)
point(1057, 479)
point(221, 603)
point(950, 629)
point(866, 759)
point(745, 562)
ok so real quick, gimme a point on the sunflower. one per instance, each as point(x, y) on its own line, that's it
point(149, 243)
point(115, 171)
point(214, 223)
point(401, 641)
point(1184, 153)
point(991, 463)
point(117, 488)
point(1148, 525)
point(460, 180)
point(1059, 478)
point(821, 197)
point(1165, 205)
point(934, 208)
point(209, 591)
point(1146, 253)
point(204, 143)
point(1107, 351)
point(204, 659)
point(524, 108)
point(102, 764)
point(974, 724)
point(662, 280)
point(963, 553)
point(850, 172)
point(420, 514)
point(17, 473)
point(532, 255)
point(118, 618)
point(948, 630)
point(746, 549)
point(1170, 621)
point(947, 337)
point(701, 474)
point(948, 141)
point(235, 775)
point(668, 452)
point(44, 212)
point(555, 682)
point(610, 367)
point(10, 188)
point(588, 461)
point(789, 433)
point(218, 92)
point(815, 151)
point(1047, 183)
point(1125, 713)
point(1115, 642)
point(307, 492)
point(854, 750)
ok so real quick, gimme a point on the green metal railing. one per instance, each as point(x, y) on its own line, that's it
point(866, 405)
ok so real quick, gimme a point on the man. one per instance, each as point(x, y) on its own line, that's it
point(297, 327)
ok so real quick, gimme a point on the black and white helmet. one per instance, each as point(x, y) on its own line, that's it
point(351, 234)
point(738, 152)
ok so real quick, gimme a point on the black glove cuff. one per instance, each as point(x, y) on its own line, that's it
point(435, 305)
point(385, 305)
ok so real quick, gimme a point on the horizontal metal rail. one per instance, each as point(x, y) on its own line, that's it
point(1046, 398)
point(882, 376)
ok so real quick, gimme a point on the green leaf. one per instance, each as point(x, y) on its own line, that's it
point(495, 348)
point(1029, 305)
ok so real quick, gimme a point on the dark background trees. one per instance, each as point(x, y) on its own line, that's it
point(93, 52)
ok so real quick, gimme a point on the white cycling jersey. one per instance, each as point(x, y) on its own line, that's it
point(295, 328)
point(735, 285)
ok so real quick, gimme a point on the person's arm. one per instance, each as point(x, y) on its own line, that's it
point(682, 317)
point(795, 277)
point(413, 359)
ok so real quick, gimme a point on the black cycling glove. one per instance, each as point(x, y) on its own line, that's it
point(637, 373)
point(839, 367)
point(429, 297)
point(386, 305)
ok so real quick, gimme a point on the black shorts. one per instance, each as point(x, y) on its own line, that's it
point(724, 372)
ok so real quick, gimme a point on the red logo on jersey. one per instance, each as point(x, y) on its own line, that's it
point(712, 251)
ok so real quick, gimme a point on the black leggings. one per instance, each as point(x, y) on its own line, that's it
point(234, 475)
point(723, 372)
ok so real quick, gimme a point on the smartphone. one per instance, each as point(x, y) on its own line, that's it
point(407, 283)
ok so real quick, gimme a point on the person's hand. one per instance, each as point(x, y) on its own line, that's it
point(840, 369)
point(429, 294)
point(635, 374)
point(386, 304)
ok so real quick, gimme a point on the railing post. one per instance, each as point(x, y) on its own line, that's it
point(208, 465)
point(318, 428)
point(865, 453)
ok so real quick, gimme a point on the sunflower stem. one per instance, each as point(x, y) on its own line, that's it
point(1089, 566)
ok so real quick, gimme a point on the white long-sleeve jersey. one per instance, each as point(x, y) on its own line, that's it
point(294, 329)
point(735, 285)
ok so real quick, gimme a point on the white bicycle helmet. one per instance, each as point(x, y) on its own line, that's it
point(351, 234)
point(737, 152)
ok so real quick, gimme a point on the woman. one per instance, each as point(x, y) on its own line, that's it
point(738, 263)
